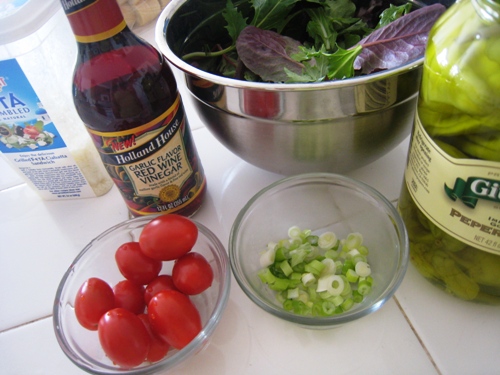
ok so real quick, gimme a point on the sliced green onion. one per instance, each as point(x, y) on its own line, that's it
point(330, 267)
point(324, 283)
point(347, 304)
point(363, 250)
point(327, 240)
point(266, 276)
point(359, 258)
point(285, 243)
point(308, 279)
point(364, 288)
point(328, 308)
point(267, 257)
point(315, 267)
point(280, 254)
point(305, 233)
point(317, 309)
point(313, 240)
point(347, 287)
point(357, 297)
point(304, 297)
point(311, 291)
point(332, 254)
point(294, 232)
point(285, 267)
point(313, 253)
point(337, 300)
point(353, 253)
point(288, 305)
point(368, 280)
point(280, 284)
point(299, 307)
point(317, 275)
point(339, 266)
point(298, 256)
point(299, 268)
point(363, 269)
point(292, 293)
point(348, 265)
point(294, 243)
point(324, 294)
point(352, 276)
point(337, 286)
point(353, 241)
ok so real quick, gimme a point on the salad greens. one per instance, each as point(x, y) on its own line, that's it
point(315, 40)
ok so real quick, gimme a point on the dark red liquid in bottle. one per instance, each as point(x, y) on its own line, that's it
point(126, 94)
point(123, 88)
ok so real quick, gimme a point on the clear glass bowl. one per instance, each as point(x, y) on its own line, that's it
point(320, 202)
point(82, 346)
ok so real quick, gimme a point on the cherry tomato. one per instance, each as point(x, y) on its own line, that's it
point(130, 296)
point(174, 318)
point(162, 282)
point(134, 265)
point(192, 273)
point(123, 337)
point(158, 348)
point(168, 237)
point(93, 299)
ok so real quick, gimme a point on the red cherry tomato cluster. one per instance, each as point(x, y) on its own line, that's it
point(145, 314)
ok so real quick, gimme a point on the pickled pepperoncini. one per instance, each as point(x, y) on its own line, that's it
point(450, 200)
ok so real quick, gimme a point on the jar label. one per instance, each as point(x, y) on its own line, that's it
point(31, 142)
point(155, 166)
point(460, 196)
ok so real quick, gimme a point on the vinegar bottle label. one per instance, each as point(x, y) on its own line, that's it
point(460, 196)
point(155, 166)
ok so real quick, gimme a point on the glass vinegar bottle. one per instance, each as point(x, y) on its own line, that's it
point(127, 97)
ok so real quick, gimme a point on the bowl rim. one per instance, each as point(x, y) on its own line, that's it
point(163, 22)
point(167, 363)
point(346, 317)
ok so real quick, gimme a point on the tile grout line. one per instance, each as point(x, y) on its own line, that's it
point(21, 325)
point(395, 203)
point(417, 336)
point(10, 187)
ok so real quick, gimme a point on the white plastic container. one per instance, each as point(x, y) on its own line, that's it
point(41, 134)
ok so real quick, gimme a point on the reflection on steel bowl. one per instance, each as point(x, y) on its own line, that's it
point(333, 126)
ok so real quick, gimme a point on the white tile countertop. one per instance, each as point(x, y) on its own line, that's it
point(421, 330)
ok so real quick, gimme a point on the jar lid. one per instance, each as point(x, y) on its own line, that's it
point(21, 18)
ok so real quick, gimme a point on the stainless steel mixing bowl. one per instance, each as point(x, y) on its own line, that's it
point(334, 126)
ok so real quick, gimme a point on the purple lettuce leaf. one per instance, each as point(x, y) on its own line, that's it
point(399, 42)
point(267, 53)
